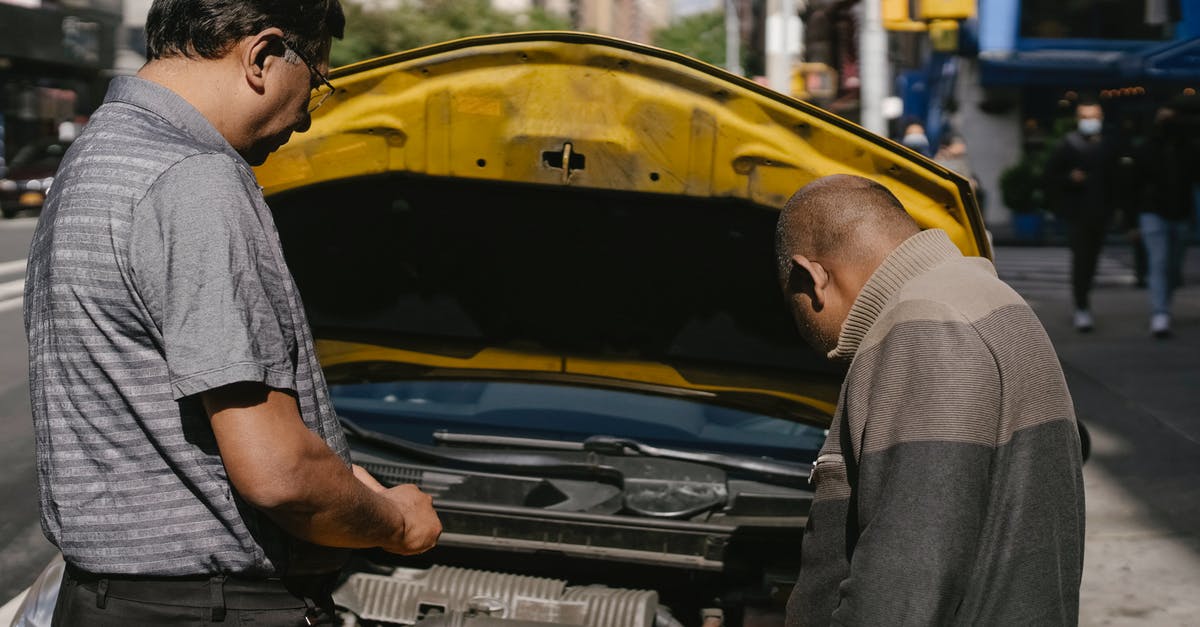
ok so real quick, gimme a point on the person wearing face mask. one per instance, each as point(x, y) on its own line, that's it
point(1079, 189)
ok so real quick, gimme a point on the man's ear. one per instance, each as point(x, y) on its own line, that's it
point(258, 52)
point(809, 277)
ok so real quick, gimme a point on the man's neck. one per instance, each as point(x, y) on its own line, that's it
point(203, 84)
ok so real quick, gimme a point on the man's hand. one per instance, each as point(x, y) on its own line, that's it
point(281, 468)
point(421, 524)
point(1077, 176)
point(366, 478)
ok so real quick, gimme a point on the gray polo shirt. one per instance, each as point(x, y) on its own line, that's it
point(156, 274)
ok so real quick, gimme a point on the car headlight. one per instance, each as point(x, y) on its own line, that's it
point(8, 186)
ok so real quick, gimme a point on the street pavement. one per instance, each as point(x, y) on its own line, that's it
point(23, 549)
point(1140, 398)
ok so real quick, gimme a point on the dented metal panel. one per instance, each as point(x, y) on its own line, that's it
point(595, 112)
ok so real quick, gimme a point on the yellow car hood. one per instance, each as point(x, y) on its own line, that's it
point(572, 110)
point(644, 119)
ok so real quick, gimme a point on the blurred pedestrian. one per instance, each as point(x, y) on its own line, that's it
point(190, 466)
point(949, 490)
point(915, 138)
point(1079, 178)
point(952, 154)
point(1166, 172)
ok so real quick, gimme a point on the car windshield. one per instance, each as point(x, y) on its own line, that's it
point(415, 409)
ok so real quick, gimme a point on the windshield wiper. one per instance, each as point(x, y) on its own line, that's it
point(775, 471)
point(542, 464)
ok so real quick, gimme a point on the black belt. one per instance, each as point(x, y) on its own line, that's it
point(219, 592)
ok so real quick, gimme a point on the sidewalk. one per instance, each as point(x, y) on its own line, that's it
point(1140, 399)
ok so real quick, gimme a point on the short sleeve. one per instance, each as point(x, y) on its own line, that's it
point(201, 261)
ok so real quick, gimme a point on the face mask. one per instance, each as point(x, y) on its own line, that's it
point(916, 141)
point(1090, 126)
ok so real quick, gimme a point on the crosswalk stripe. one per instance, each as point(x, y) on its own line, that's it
point(12, 292)
point(12, 288)
point(1043, 268)
point(12, 267)
point(18, 224)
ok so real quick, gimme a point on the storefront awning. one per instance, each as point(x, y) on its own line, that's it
point(1080, 66)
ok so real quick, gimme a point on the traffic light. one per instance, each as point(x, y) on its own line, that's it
point(897, 16)
point(814, 80)
point(895, 11)
point(943, 35)
point(922, 15)
point(945, 9)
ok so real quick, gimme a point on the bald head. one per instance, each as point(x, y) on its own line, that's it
point(842, 219)
point(831, 237)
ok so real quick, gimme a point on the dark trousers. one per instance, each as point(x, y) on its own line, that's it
point(1086, 242)
point(1141, 262)
point(88, 600)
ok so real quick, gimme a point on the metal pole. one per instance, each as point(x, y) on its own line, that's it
point(872, 66)
point(778, 61)
point(787, 8)
point(733, 39)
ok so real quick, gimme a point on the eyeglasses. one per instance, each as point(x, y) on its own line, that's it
point(317, 81)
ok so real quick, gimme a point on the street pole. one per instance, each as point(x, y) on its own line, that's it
point(733, 39)
point(872, 66)
point(780, 14)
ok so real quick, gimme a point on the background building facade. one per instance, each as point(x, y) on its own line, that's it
point(55, 61)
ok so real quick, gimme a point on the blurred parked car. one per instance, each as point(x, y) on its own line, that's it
point(29, 176)
point(539, 268)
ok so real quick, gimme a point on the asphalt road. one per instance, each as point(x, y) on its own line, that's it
point(1138, 395)
point(23, 549)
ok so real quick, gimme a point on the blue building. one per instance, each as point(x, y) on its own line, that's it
point(1100, 45)
point(1021, 66)
point(1130, 54)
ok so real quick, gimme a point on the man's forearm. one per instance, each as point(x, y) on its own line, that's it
point(280, 467)
point(322, 502)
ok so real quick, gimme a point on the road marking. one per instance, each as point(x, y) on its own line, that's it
point(12, 294)
point(12, 288)
point(16, 224)
point(12, 267)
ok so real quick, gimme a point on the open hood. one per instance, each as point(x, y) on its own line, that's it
point(581, 203)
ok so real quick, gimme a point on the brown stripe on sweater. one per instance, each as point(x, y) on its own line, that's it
point(952, 391)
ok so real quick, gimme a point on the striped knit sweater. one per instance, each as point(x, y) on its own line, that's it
point(949, 490)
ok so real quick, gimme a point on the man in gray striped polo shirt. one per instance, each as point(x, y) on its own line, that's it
point(190, 466)
point(950, 488)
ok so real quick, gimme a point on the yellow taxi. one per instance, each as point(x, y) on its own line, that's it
point(539, 268)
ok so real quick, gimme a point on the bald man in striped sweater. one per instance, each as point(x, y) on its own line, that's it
point(949, 491)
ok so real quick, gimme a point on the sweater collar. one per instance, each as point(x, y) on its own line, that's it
point(910, 259)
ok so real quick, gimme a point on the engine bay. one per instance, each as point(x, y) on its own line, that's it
point(671, 544)
point(443, 595)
